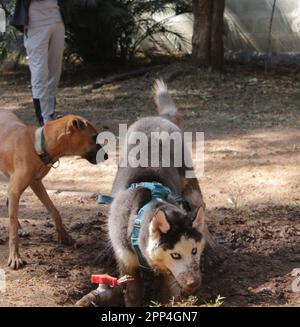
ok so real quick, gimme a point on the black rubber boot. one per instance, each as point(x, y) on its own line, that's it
point(38, 112)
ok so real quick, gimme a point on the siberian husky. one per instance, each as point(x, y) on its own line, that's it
point(170, 235)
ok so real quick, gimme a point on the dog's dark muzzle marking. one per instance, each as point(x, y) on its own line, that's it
point(94, 156)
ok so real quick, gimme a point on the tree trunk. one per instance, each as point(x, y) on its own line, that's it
point(202, 31)
point(208, 47)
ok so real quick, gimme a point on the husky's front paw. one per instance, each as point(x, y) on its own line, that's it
point(133, 296)
point(130, 301)
point(14, 261)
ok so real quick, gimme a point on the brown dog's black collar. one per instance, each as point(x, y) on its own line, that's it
point(40, 148)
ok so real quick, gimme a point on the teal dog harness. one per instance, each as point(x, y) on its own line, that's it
point(158, 191)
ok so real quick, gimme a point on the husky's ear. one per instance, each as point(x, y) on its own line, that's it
point(199, 221)
point(159, 223)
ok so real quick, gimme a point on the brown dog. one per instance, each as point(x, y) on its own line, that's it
point(27, 155)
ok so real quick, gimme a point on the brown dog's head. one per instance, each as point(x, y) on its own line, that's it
point(79, 137)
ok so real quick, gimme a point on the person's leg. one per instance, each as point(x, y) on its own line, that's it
point(36, 42)
point(55, 58)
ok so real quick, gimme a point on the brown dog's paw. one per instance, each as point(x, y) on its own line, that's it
point(15, 262)
point(65, 238)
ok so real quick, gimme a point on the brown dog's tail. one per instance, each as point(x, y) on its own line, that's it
point(164, 102)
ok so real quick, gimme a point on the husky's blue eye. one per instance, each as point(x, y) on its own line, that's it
point(176, 256)
point(194, 251)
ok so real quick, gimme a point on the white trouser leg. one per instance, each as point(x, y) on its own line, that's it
point(55, 59)
point(44, 47)
point(36, 42)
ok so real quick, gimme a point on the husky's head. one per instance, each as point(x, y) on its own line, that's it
point(176, 243)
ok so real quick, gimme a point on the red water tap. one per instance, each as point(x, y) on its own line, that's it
point(105, 279)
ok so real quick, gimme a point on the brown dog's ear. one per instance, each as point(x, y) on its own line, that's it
point(76, 124)
point(199, 221)
point(159, 223)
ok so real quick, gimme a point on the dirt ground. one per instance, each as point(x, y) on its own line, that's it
point(251, 183)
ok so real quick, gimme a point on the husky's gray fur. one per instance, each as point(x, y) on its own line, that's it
point(172, 237)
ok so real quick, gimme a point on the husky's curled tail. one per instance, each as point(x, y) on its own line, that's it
point(164, 102)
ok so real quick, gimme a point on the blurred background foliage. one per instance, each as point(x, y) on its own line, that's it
point(104, 30)
point(11, 41)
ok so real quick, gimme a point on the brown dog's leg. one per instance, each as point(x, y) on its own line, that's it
point(19, 225)
point(40, 191)
point(17, 185)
